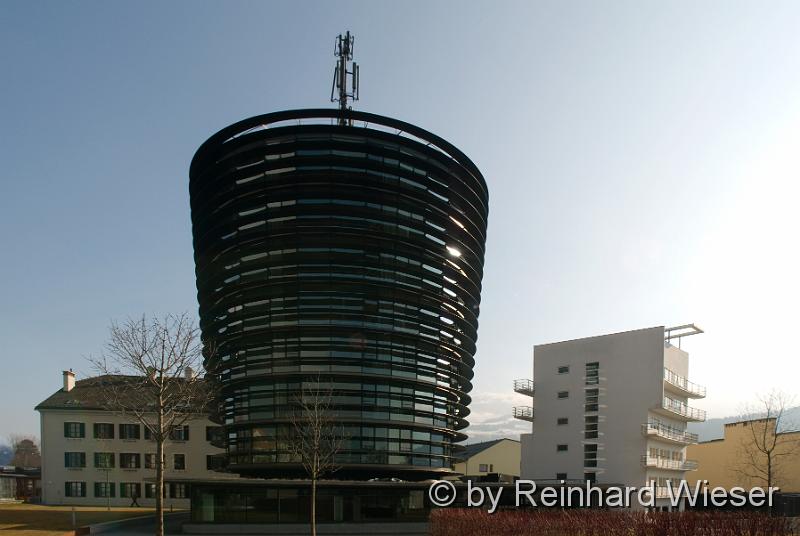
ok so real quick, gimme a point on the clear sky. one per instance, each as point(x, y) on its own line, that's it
point(642, 160)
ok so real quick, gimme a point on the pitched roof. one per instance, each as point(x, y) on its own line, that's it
point(476, 448)
point(89, 394)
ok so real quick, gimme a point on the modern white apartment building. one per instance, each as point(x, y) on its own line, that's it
point(612, 409)
point(91, 456)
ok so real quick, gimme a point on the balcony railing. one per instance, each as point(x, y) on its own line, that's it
point(667, 432)
point(680, 408)
point(524, 387)
point(694, 390)
point(666, 463)
point(523, 412)
point(662, 492)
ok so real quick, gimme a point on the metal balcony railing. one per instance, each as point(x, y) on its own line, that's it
point(667, 432)
point(666, 463)
point(682, 383)
point(523, 412)
point(662, 492)
point(680, 408)
point(524, 387)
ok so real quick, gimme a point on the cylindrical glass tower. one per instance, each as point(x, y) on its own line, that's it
point(346, 255)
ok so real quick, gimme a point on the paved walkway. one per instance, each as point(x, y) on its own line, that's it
point(147, 526)
point(173, 522)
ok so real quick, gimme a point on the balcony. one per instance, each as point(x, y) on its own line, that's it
point(677, 409)
point(523, 387)
point(662, 492)
point(669, 434)
point(524, 413)
point(681, 386)
point(665, 463)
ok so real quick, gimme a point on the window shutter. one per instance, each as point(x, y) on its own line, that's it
point(66, 429)
point(66, 489)
point(83, 489)
point(83, 429)
point(66, 459)
point(96, 489)
point(112, 489)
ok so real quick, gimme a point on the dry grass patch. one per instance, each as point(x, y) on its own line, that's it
point(38, 520)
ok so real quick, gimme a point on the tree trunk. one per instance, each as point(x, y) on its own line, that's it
point(160, 477)
point(313, 507)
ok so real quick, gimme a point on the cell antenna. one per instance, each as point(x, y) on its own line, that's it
point(343, 50)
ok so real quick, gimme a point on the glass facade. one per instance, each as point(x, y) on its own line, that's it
point(349, 256)
point(270, 504)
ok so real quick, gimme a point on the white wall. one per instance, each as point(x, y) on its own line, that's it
point(631, 376)
point(54, 444)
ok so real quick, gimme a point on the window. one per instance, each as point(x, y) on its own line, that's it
point(179, 462)
point(128, 431)
point(562, 448)
point(104, 489)
point(590, 477)
point(177, 491)
point(75, 489)
point(150, 491)
point(74, 429)
point(592, 373)
point(563, 394)
point(148, 434)
point(592, 399)
point(590, 430)
point(179, 433)
point(129, 460)
point(103, 430)
point(149, 461)
point(564, 369)
point(213, 463)
point(104, 460)
point(590, 455)
point(213, 433)
point(74, 459)
point(130, 489)
point(562, 420)
point(561, 476)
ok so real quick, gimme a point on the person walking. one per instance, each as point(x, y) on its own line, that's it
point(134, 498)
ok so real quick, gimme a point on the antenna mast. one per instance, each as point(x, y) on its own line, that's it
point(343, 50)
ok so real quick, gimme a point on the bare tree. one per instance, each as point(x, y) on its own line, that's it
point(25, 450)
point(148, 374)
point(764, 449)
point(315, 437)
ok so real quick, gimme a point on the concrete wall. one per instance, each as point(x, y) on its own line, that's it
point(631, 382)
point(502, 457)
point(54, 445)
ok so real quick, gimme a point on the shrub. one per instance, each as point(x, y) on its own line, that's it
point(477, 522)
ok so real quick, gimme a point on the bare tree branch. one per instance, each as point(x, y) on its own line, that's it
point(148, 374)
point(315, 437)
point(764, 446)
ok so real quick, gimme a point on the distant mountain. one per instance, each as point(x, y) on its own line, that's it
point(713, 428)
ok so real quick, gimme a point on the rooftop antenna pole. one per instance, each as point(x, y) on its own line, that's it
point(343, 50)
